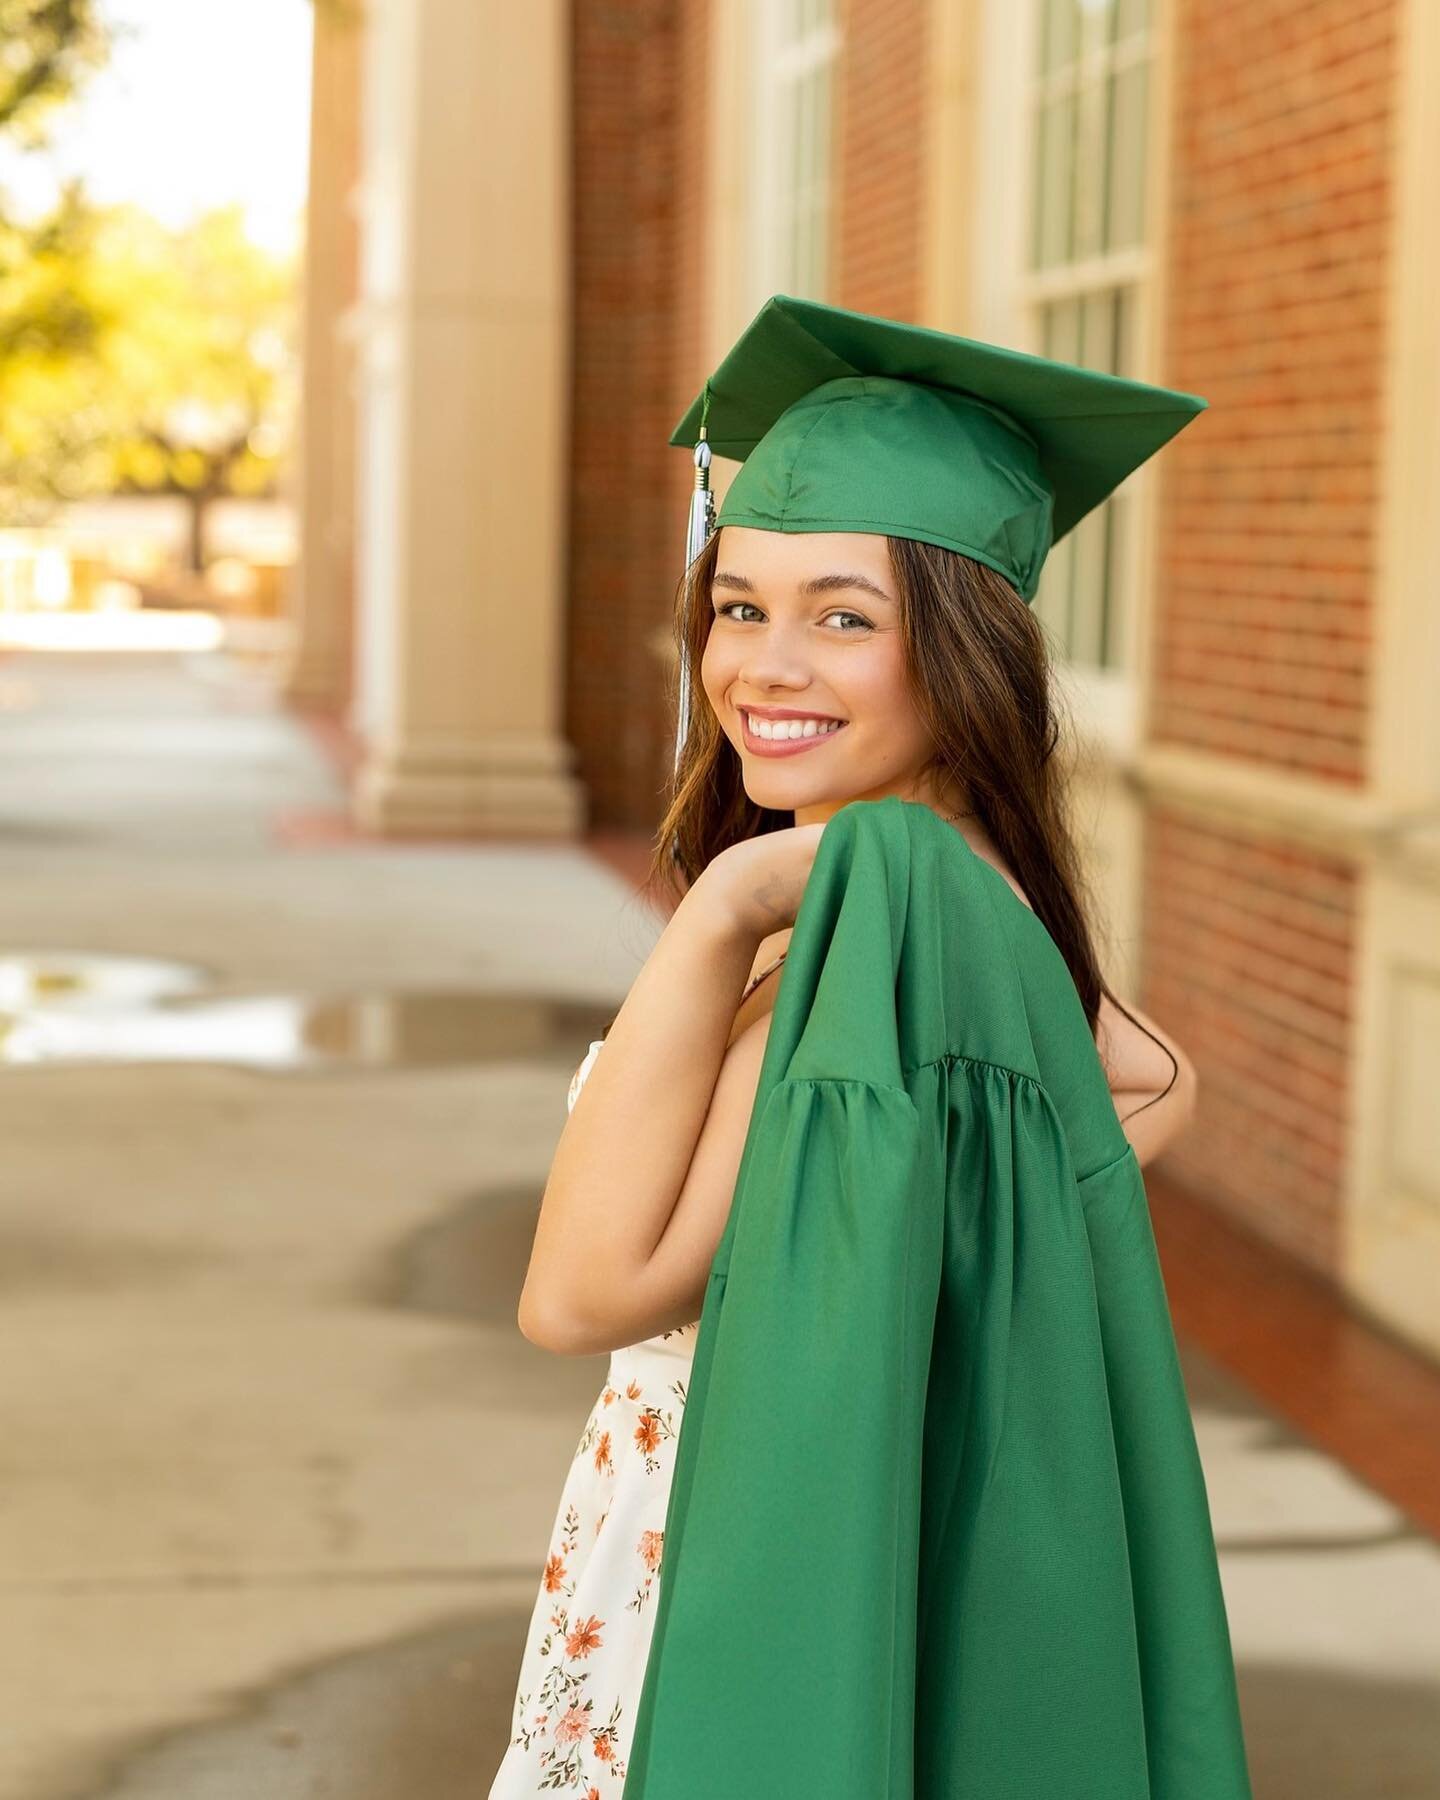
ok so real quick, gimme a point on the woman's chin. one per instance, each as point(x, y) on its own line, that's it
point(792, 796)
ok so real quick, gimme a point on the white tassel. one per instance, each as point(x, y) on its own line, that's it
point(701, 524)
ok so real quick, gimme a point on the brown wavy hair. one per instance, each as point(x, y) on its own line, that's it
point(980, 677)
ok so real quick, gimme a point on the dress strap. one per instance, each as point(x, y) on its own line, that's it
point(755, 980)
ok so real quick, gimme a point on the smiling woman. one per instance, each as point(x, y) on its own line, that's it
point(861, 628)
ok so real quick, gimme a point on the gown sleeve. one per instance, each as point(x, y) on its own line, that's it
point(782, 1658)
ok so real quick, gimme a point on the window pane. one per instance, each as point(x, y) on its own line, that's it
point(1097, 24)
point(1059, 35)
point(1097, 330)
point(1060, 331)
point(1088, 586)
point(1126, 360)
point(1052, 597)
point(1127, 156)
point(1089, 185)
point(1116, 512)
point(794, 178)
point(1054, 197)
point(820, 198)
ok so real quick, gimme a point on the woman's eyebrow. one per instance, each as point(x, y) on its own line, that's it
point(818, 584)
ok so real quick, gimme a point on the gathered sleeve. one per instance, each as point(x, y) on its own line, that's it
point(782, 1658)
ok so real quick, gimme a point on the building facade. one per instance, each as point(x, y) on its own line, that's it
point(533, 232)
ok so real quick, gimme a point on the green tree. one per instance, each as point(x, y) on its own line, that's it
point(49, 47)
point(179, 380)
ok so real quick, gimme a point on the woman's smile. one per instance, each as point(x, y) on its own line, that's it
point(786, 731)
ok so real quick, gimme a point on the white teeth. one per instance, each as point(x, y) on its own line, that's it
point(778, 729)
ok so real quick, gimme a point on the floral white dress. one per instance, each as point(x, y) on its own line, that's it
point(589, 1634)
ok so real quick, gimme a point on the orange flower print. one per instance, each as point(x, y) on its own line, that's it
point(634, 1390)
point(602, 1453)
point(650, 1546)
point(647, 1432)
point(554, 1576)
point(570, 1727)
point(592, 1793)
point(608, 1395)
point(584, 1638)
point(602, 1742)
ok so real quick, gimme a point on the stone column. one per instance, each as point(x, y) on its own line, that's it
point(463, 335)
point(322, 596)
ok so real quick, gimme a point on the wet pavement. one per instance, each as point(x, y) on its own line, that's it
point(278, 1468)
point(58, 1007)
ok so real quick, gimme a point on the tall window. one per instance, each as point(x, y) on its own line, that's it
point(1088, 273)
point(796, 42)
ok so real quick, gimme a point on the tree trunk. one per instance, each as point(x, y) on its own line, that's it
point(199, 502)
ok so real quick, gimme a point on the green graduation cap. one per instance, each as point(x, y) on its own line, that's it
point(848, 422)
point(844, 421)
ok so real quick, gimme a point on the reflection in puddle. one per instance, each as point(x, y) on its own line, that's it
point(96, 1009)
point(42, 976)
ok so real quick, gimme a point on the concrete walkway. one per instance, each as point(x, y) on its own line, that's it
point(279, 1469)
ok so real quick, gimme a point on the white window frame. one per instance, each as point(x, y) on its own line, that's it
point(1008, 295)
point(782, 75)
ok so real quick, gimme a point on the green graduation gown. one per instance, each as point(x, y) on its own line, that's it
point(938, 1524)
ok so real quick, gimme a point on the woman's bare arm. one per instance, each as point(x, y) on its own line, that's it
point(607, 1267)
point(637, 1187)
point(1138, 1069)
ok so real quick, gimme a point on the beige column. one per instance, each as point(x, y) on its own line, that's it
point(1392, 1243)
point(463, 336)
point(321, 591)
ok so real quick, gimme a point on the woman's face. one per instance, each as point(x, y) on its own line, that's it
point(806, 629)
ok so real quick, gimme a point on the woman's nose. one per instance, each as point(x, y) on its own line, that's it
point(773, 660)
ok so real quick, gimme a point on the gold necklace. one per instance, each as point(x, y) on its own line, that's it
point(960, 815)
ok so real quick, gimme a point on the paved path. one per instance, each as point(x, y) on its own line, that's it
point(278, 1468)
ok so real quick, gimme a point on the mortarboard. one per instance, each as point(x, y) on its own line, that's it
point(843, 421)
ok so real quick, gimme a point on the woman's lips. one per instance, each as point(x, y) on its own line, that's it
point(787, 746)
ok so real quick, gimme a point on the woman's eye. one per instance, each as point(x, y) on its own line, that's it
point(726, 610)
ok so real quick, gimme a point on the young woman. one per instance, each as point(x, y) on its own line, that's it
point(836, 665)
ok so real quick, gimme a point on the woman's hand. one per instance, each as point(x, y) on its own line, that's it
point(760, 882)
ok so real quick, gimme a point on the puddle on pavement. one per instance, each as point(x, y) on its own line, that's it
point(86, 1009)
point(78, 978)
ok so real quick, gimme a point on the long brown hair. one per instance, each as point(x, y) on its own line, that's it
point(981, 679)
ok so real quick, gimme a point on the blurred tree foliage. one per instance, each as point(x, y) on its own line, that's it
point(184, 382)
point(133, 357)
point(47, 47)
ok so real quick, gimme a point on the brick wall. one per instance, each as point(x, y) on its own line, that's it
point(1249, 953)
point(1279, 220)
point(880, 156)
point(638, 111)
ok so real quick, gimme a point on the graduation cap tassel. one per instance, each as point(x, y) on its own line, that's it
point(701, 524)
